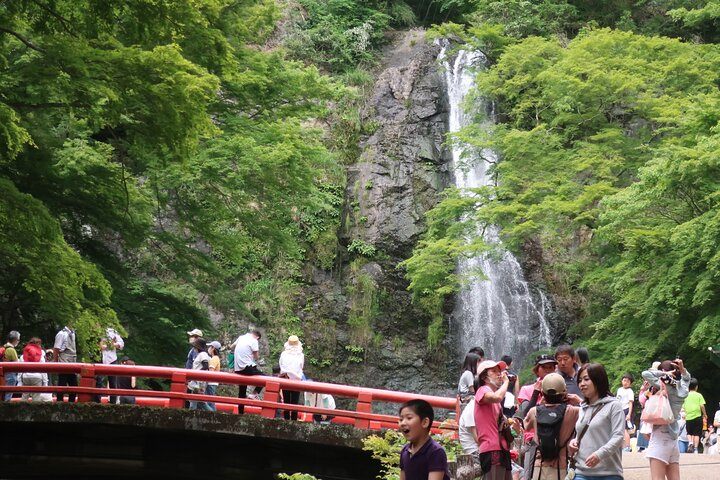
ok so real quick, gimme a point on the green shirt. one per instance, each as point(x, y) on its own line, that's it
point(10, 353)
point(692, 405)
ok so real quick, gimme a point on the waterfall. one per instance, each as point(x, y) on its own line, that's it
point(498, 314)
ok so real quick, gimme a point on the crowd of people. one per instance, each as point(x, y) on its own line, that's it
point(567, 424)
point(64, 350)
point(203, 355)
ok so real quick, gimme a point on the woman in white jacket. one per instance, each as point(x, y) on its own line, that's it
point(292, 361)
point(602, 426)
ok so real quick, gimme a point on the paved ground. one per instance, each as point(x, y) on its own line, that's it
point(692, 467)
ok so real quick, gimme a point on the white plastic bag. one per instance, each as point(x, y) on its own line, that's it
point(657, 409)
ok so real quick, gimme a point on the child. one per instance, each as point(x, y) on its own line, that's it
point(422, 458)
point(626, 396)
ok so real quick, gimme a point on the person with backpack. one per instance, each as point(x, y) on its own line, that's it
point(553, 422)
point(9, 354)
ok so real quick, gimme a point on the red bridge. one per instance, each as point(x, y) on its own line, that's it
point(254, 445)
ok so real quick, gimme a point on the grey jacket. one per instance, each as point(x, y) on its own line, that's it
point(603, 437)
point(676, 395)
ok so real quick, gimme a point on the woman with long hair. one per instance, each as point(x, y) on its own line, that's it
point(597, 448)
point(466, 385)
point(663, 449)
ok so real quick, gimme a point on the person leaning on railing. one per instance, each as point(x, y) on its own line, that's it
point(126, 383)
point(33, 352)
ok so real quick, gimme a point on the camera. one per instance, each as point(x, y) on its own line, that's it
point(667, 379)
point(512, 377)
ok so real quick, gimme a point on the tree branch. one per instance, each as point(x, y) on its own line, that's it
point(63, 21)
point(24, 40)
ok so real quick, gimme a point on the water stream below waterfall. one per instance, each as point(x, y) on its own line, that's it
point(499, 313)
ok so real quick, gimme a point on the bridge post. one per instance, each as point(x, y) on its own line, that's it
point(272, 394)
point(87, 379)
point(364, 405)
point(178, 385)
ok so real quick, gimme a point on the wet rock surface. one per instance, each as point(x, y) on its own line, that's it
point(375, 336)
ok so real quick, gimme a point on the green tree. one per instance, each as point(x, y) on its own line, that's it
point(172, 155)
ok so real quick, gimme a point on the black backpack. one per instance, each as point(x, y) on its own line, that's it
point(549, 420)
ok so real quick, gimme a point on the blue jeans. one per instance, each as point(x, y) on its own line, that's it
point(599, 477)
point(211, 390)
point(682, 446)
point(10, 381)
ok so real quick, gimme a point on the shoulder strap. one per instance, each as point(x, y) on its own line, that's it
point(501, 417)
point(582, 432)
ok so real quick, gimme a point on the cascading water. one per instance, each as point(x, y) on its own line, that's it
point(498, 313)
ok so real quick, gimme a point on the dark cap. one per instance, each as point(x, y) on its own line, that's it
point(543, 359)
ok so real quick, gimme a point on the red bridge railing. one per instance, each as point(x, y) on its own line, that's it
point(86, 391)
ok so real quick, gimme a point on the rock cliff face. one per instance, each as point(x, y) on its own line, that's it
point(404, 162)
point(364, 308)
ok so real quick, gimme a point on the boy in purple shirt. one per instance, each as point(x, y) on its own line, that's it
point(422, 458)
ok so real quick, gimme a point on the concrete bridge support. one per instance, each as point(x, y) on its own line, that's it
point(124, 441)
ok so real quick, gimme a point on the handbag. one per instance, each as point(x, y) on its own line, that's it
point(196, 386)
point(657, 409)
point(505, 430)
point(630, 427)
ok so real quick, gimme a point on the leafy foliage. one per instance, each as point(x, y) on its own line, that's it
point(386, 449)
point(522, 18)
point(165, 161)
point(338, 34)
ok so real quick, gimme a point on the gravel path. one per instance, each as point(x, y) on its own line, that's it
point(692, 467)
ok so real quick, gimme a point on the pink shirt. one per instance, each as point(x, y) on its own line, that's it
point(486, 422)
point(525, 394)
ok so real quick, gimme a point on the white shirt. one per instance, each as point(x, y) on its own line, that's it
point(65, 343)
point(468, 441)
point(109, 355)
point(466, 381)
point(245, 345)
point(199, 359)
point(320, 400)
point(292, 361)
point(625, 395)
